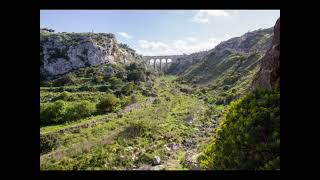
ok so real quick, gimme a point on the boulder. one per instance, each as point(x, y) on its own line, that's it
point(156, 160)
point(189, 119)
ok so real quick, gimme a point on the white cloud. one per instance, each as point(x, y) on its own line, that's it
point(154, 48)
point(125, 35)
point(228, 36)
point(204, 16)
point(191, 39)
point(151, 48)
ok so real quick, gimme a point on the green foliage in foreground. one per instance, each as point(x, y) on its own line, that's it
point(61, 111)
point(133, 139)
point(248, 136)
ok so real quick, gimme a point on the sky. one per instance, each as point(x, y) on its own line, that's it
point(162, 32)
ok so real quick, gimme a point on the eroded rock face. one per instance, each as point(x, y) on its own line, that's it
point(63, 52)
point(269, 74)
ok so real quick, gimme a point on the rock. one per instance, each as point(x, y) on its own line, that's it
point(171, 147)
point(61, 53)
point(156, 168)
point(134, 157)
point(268, 75)
point(156, 160)
point(189, 119)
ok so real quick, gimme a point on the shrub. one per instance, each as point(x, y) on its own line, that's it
point(68, 79)
point(121, 74)
point(86, 88)
point(48, 142)
point(136, 76)
point(98, 79)
point(60, 111)
point(104, 88)
point(128, 88)
point(53, 113)
point(80, 110)
point(65, 96)
point(116, 83)
point(108, 104)
point(136, 72)
point(133, 99)
point(249, 135)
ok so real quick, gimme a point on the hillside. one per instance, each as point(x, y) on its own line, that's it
point(64, 52)
point(248, 137)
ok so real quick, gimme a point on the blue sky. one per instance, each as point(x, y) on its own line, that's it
point(162, 32)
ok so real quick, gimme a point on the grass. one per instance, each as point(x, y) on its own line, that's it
point(133, 139)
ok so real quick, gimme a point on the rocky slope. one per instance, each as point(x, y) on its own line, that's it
point(185, 62)
point(268, 75)
point(63, 52)
point(239, 53)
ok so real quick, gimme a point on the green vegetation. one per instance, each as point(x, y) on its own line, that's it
point(61, 111)
point(133, 139)
point(126, 116)
point(248, 136)
point(109, 104)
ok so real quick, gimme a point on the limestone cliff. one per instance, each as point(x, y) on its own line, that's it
point(63, 52)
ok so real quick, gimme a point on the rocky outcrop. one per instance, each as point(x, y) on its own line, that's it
point(250, 42)
point(268, 75)
point(63, 52)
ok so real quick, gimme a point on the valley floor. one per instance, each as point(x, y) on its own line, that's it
point(166, 132)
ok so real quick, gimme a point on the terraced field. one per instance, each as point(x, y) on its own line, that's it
point(165, 132)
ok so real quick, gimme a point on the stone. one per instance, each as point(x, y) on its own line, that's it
point(156, 160)
point(189, 119)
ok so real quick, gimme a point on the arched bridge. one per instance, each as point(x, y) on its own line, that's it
point(162, 61)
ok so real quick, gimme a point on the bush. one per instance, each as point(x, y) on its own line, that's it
point(121, 74)
point(98, 79)
point(68, 79)
point(48, 142)
point(249, 135)
point(65, 96)
point(80, 110)
point(108, 104)
point(53, 113)
point(136, 76)
point(136, 72)
point(60, 111)
point(104, 88)
point(116, 83)
point(86, 88)
point(127, 89)
point(133, 99)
